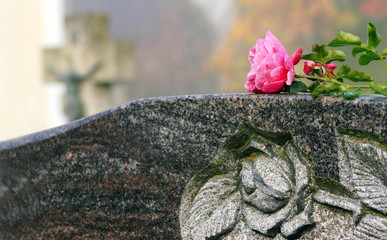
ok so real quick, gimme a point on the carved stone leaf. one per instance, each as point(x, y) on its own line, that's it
point(368, 168)
point(371, 227)
point(215, 209)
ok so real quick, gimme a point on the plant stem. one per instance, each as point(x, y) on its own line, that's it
point(334, 81)
point(312, 77)
point(385, 66)
point(358, 86)
point(362, 94)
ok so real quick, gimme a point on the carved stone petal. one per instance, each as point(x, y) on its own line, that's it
point(257, 193)
point(215, 208)
point(263, 202)
point(368, 166)
point(301, 166)
point(247, 175)
point(293, 226)
point(267, 224)
point(371, 227)
point(264, 145)
point(271, 172)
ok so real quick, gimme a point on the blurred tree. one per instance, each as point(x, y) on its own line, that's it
point(374, 9)
point(297, 24)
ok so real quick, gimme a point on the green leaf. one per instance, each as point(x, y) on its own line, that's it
point(353, 75)
point(297, 86)
point(328, 88)
point(335, 55)
point(313, 86)
point(362, 48)
point(373, 37)
point(379, 88)
point(322, 50)
point(350, 95)
point(313, 57)
point(343, 70)
point(357, 76)
point(384, 53)
point(345, 39)
point(367, 57)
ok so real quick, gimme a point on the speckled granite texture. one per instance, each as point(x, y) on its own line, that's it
point(121, 174)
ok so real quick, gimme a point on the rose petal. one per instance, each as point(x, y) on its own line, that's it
point(261, 76)
point(290, 77)
point(268, 47)
point(250, 81)
point(308, 66)
point(296, 56)
point(252, 54)
point(331, 67)
point(273, 87)
point(278, 59)
point(278, 74)
point(276, 44)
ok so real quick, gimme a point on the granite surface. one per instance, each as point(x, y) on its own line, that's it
point(121, 174)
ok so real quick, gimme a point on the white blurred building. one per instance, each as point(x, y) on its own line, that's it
point(22, 91)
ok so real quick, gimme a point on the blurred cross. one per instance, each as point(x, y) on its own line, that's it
point(73, 105)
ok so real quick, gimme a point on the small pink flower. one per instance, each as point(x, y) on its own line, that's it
point(271, 66)
point(296, 56)
point(331, 67)
point(310, 65)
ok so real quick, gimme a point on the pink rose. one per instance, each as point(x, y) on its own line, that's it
point(271, 66)
point(310, 65)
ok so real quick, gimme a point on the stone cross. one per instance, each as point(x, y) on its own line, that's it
point(73, 81)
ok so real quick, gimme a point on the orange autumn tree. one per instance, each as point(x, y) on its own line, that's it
point(297, 24)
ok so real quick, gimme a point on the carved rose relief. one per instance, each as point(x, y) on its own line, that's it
point(275, 189)
point(261, 186)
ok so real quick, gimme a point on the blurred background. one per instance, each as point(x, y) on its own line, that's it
point(61, 60)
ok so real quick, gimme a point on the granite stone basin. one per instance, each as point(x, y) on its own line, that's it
point(121, 174)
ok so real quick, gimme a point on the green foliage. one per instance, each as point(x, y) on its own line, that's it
point(327, 83)
point(345, 39)
point(323, 55)
point(322, 50)
point(373, 37)
point(379, 88)
point(351, 95)
point(367, 57)
point(335, 55)
point(343, 71)
point(313, 86)
point(353, 75)
point(357, 50)
point(367, 50)
point(327, 88)
point(296, 86)
point(313, 57)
